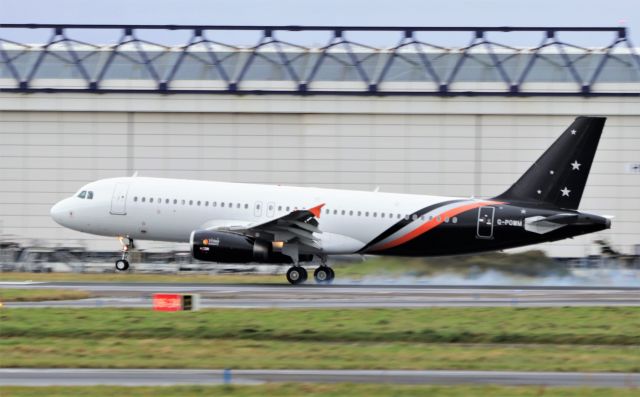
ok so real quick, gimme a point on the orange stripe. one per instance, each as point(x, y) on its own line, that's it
point(425, 227)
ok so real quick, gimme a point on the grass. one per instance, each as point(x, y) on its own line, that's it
point(249, 354)
point(536, 339)
point(570, 325)
point(318, 390)
point(25, 295)
point(148, 278)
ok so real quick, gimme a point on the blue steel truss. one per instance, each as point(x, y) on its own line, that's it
point(299, 68)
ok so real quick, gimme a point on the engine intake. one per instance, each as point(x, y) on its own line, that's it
point(228, 247)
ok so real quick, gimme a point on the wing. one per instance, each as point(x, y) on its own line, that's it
point(297, 226)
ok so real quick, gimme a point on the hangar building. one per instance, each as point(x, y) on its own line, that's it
point(442, 111)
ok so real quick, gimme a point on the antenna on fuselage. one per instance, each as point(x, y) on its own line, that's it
point(135, 174)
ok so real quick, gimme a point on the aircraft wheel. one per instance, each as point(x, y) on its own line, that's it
point(323, 274)
point(332, 274)
point(296, 275)
point(122, 265)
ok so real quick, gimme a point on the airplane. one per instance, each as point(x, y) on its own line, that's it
point(242, 223)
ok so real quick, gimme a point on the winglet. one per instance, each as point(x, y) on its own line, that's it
point(317, 210)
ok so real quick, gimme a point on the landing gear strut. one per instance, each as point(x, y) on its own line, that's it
point(123, 264)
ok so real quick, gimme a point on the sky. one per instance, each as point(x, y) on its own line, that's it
point(329, 12)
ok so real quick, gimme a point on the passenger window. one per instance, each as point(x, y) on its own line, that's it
point(375, 214)
point(151, 200)
point(351, 213)
point(159, 200)
point(199, 202)
point(175, 201)
point(382, 215)
point(166, 201)
point(344, 212)
point(214, 204)
point(222, 204)
point(454, 220)
point(206, 203)
point(190, 202)
point(359, 213)
point(287, 208)
point(246, 206)
point(135, 199)
point(238, 205)
point(183, 202)
point(335, 212)
point(230, 205)
point(83, 194)
point(143, 199)
point(366, 213)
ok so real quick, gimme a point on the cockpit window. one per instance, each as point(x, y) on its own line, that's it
point(83, 194)
point(89, 195)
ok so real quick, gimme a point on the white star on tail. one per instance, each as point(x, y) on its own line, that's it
point(575, 165)
point(573, 132)
point(565, 191)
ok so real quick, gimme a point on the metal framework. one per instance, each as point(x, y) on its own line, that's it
point(299, 66)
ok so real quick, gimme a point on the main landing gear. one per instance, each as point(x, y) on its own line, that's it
point(298, 275)
point(127, 244)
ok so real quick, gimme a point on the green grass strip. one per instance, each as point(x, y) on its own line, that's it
point(566, 325)
point(251, 354)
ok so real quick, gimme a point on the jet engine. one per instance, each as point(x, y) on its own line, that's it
point(229, 247)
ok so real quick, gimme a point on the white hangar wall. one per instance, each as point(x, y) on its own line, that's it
point(51, 144)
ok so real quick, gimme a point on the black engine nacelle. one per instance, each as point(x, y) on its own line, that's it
point(228, 247)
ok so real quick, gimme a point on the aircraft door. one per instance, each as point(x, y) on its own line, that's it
point(485, 222)
point(119, 199)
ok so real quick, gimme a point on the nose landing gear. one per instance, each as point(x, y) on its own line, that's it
point(127, 244)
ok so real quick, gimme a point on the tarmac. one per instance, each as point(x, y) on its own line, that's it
point(166, 377)
point(334, 296)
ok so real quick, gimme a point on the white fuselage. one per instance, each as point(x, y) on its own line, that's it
point(170, 209)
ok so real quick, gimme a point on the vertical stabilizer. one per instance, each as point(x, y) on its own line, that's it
point(558, 177)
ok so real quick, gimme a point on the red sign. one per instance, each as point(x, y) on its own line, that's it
point(167, 302)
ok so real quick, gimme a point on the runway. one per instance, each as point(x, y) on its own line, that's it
point(166, 377)
point(336, 296)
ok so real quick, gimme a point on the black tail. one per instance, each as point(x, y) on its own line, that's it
point(558, 177)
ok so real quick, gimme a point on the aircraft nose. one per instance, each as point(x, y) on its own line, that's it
point(59, 212)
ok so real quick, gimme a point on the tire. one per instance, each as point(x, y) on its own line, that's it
point(332, 274)
point(322, 274)
point(122, 265)
point(296, 275)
